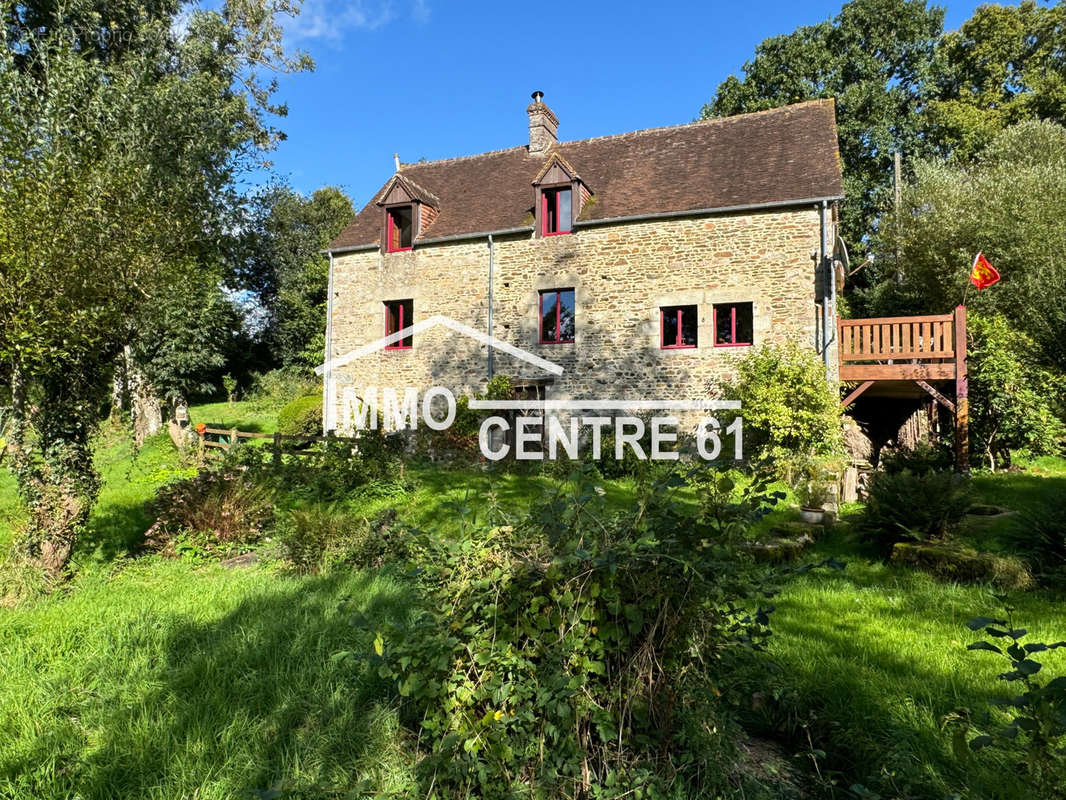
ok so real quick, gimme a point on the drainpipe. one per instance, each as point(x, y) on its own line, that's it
point(831, 331)
point(492, 265)
point(823, 263)
point(329, 416)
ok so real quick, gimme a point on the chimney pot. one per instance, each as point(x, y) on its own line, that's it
point(537, 96)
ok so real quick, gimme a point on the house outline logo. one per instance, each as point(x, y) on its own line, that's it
point(432, 322)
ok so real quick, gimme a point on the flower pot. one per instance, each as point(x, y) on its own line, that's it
point(812, 516)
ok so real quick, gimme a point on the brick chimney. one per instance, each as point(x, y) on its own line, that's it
point(543, 125)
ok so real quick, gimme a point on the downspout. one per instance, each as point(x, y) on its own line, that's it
point(831, 331)
point(492, 266)
point(329, 416)
point(823, 263)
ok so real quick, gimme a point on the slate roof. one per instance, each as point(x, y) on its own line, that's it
point(776, 157)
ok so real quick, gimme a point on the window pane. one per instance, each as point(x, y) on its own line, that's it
point(669, 327)
point(547, 317)
point(550, 218)
point(563, 205)
point(723, 324)
point(689, 325)
point(408, 307)
point(566, 315)
point(392, 318)
point(744, 323)
point(399, 314)
point(401, 228)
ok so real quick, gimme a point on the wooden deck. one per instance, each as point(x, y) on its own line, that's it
point(924, 352)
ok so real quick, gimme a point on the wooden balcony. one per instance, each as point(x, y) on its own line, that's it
point(891, 352)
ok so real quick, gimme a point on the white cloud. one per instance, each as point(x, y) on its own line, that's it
point(420, 11)
point(330, 20)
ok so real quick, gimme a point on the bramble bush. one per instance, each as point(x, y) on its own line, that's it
point(572, 653)
point(789, 408)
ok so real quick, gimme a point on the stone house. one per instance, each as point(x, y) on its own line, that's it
point(645, 265)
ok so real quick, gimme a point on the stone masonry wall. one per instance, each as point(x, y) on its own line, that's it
point(622, 275)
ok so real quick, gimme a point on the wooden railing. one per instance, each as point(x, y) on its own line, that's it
point(226, 439)
point(899, 348)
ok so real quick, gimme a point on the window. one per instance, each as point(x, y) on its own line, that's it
point(555, 211)
point(400, 228)
point(399, 314)
point(557, 316)
point(678, 327)
point(732, 324)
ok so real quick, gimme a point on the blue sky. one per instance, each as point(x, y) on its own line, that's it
point(435, 79)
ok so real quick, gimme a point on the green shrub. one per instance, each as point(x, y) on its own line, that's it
point(1037, 708)
point(319, 536)
point(906, 505)
point(789, 408)
point(280, 386)
point(573, 653)
point(956, 562)
point(302, 417)
point(925, 457)
point(1015, 402)
point(226, 506)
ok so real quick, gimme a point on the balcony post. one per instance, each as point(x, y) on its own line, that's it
point(962, 394)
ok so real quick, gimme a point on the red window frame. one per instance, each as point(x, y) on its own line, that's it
point(391, 228)
point(558, 307)
point(678, 342)
point(732, 324)
point(553, 195)
point(401, 305)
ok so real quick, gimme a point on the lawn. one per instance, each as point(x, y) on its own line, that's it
point(161, 678)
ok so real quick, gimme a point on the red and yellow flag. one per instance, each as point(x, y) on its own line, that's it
point(983, 274)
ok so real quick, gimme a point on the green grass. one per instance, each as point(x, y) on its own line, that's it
point(877, 656)
point(251, 416)
point(166, 680)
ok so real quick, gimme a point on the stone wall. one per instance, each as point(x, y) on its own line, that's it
point(622, 274)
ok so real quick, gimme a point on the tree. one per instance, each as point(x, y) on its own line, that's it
point(118, 167)
point(286, 270)
point(1014, 399)
point(873, 57)
point(1006, 64)
point(1008, 204)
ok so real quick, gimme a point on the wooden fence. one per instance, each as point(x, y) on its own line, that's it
point(226, 439)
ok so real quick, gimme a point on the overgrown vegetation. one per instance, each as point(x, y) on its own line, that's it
point(788, 407)
point(574, 653)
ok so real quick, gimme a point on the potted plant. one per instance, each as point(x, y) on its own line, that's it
point(814, 490)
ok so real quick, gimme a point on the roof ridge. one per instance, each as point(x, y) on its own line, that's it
point(711, 121)
point(462, 158)
point(638, 132)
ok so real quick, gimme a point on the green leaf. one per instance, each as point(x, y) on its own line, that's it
point(379, 645)
point(1029, 667)
point(983, 645)
point(977, 623)
point(981, 742)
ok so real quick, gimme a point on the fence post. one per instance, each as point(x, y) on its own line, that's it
point(277, 449)
point(200, 447)
point(232, 438)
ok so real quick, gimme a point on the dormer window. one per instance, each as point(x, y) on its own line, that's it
point(556, 211)
point(400, 228)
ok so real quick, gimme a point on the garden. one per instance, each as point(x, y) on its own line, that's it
point(375, 623)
